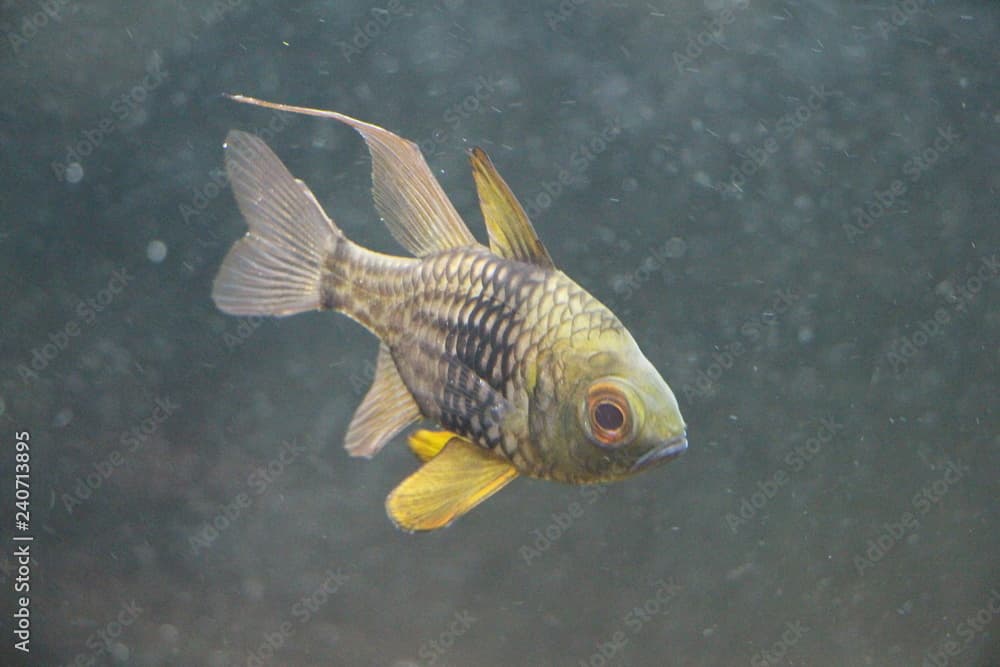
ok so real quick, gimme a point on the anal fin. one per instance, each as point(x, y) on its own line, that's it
point(387, 409)
point(452, 483)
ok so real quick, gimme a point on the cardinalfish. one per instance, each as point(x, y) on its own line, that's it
point(525, 371)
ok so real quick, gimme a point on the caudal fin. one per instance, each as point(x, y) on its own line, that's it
point(277, 268)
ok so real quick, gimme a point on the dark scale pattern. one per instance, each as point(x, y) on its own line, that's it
point(469, 406)
point(482, 342)
point(455, 339)
point(479, 331)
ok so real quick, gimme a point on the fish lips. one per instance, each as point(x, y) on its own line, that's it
point(670, 449)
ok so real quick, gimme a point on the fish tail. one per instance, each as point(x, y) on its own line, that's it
point(294, 258)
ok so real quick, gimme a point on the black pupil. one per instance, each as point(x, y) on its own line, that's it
point(608, 416)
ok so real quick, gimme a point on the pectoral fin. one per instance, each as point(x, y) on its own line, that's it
point(387, 409)
point(460, 477)
point(511, 233)
point(428, 444)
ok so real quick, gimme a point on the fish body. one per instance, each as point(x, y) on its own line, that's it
point(527, 373)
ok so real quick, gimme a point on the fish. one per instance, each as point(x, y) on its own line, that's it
point(525, 372)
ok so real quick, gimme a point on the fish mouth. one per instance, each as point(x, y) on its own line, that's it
point(670, 449)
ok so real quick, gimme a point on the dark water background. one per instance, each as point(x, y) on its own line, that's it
point(795, 212)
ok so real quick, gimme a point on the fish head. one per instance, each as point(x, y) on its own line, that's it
point(614, 415)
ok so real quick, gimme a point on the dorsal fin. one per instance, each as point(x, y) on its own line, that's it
point(511, 233)
point(406, 193)
point(387, 409)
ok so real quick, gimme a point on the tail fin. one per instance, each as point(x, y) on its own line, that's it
point(277, 268)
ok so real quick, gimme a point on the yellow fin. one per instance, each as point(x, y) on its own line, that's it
point(449, 485)
point(428, 444)
point(511, 233)
point(406, 193)
point(387, 409)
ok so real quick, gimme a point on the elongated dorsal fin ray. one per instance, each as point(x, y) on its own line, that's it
point(406, 193)
point(452, 483)
point(276, 269)
point(511, 233)
point(387, 409)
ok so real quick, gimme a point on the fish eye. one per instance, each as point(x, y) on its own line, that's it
point(609, 416)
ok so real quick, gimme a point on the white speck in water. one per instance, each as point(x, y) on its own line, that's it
point(385, 63)
point(120, 652)
point(805, 335)
point(62, 418)
point(169, 633)
point(675, 247)
point(253, 588)
point(156, 251)
point(74, 172)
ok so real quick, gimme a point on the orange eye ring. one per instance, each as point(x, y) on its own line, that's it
point(608, 415)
